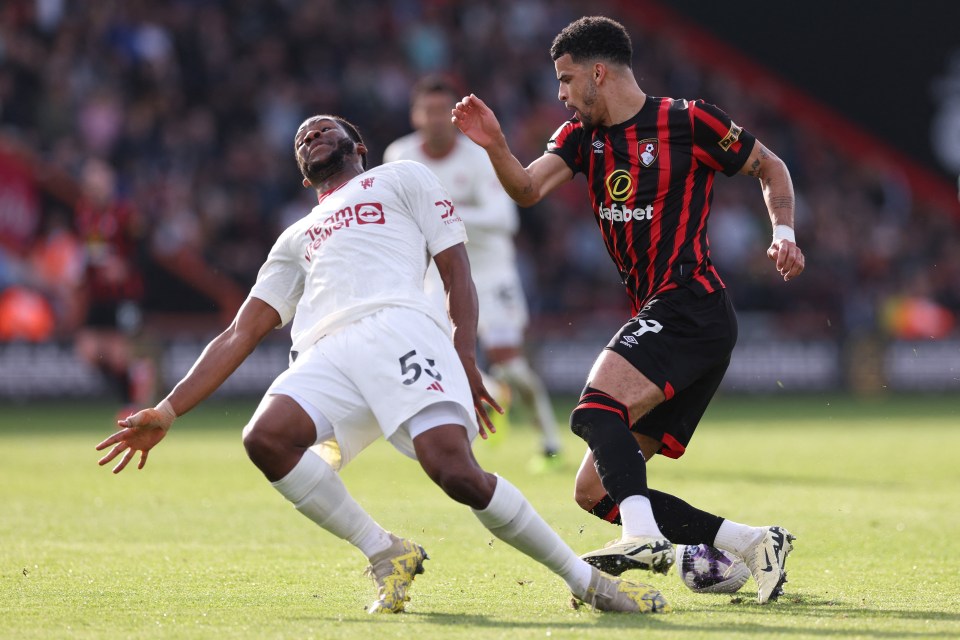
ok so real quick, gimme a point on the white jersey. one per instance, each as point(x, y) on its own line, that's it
point(488, 212)
point(365, 246)
point(491, 219)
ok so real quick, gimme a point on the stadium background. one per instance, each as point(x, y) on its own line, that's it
point(193, 104)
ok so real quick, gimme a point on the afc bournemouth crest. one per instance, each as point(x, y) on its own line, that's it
point(647, 150)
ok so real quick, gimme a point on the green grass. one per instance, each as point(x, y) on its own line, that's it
point(198, 545)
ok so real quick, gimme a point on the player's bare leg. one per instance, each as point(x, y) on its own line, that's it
point(444, 453)
point(278, 440)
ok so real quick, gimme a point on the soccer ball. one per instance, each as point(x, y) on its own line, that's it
point(705, 569)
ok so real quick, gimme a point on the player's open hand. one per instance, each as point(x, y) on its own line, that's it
point(476, 120)
point(788, 257)
point(482, 397)
point(139, 432)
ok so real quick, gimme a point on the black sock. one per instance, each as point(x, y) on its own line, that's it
point(607, 510)
point(681, 523)
point(677, 520)
point(603, 423)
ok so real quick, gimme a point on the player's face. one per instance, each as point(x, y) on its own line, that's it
point(578, 91)
point(430, 115)
point(321, 147)
point(98, 181)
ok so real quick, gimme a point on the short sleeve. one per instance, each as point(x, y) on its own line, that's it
point(565, 142)
point(430, 206)
point(718, 141)
point(281, 278)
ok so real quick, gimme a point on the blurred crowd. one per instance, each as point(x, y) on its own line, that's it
point(150, 144)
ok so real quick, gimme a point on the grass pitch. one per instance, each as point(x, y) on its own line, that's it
point(198, 545)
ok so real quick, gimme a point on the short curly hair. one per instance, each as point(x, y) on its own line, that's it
point(593, 38)
point(352, 131)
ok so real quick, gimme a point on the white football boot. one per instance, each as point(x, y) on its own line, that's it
point(767, 560)
point(640, 552)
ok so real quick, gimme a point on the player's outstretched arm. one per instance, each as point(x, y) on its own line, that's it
point(143, 430)
point(777, 187)
point(454, 267)
point(527, 186)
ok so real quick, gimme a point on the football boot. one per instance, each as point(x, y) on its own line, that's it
point(610, 593)
point(767, 560)
point(639, 552)
point(393, 572)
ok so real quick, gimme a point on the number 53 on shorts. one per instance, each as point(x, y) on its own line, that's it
point(413, 365)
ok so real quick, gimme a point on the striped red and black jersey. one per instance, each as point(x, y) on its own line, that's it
point(651, 184)
point(110, 243)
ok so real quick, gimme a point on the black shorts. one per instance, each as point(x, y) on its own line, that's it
point(122, 315)
point(682, 343)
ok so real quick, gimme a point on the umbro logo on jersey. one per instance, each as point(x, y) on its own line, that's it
point(629, 341)
point(435, 386)
point(598, 146)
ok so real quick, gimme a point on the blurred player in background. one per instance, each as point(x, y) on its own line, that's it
point(111, 233)
point(371, 356)
point(650, 164)
point(490, 217)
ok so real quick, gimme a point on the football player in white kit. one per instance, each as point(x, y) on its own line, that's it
point(371, 356)
point(490, 216)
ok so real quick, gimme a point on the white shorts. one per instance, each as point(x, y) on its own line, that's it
point(371, 377)
point(503, 311)
point(503, 314)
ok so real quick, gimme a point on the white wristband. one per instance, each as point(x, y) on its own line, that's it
point(167, 408)
point(783, 232)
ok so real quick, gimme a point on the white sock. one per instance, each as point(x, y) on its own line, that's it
point(636, 515)
point(737, 538)
point(510, 517)
point(518, 373)
point(317, 492)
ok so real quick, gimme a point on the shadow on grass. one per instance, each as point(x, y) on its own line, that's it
point(869, 622)
point(588, 619)
point(820, 606)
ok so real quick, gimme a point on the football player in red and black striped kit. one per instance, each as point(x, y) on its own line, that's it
point(650, 164)
point(111, 231)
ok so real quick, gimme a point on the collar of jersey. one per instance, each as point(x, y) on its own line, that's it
point(322, 196)
point(632, 119)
